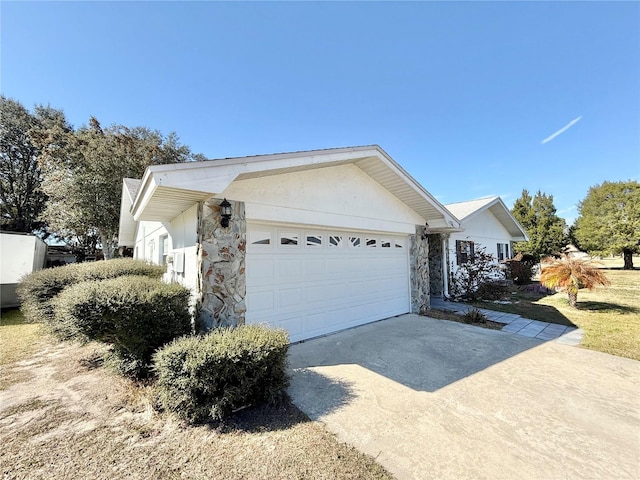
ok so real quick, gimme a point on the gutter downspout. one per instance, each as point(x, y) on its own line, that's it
point(445, 266)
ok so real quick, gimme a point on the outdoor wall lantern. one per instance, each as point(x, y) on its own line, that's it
point(225, 212)
point(426, 231)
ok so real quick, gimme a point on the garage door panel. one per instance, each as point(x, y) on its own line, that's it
point(261, 271)
point(314, 294)
point(288, 270)
point(262, 301)
point(314, 268)
point(290, 297)
point(327, 283)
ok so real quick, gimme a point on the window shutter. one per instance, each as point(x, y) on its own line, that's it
point(458, 252)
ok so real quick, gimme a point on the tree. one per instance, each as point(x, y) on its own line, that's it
point(21, 196)
point(571, 274)
point(545, 229)
point(83, 177)
point(609, 220)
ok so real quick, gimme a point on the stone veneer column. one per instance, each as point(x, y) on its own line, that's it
point(221, 259)
point(436, 280)
point(419, 265)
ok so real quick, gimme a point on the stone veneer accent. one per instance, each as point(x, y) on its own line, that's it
point(435, 264)
point(419, 270)
point(221, 258)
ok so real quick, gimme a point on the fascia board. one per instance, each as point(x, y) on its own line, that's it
point(419, 188)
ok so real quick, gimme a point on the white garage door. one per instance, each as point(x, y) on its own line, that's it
point(311, 282)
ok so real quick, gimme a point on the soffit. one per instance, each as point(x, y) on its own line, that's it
point(163, 194)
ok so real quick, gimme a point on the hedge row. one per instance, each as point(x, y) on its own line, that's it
point(136, 314)
point(38, 289)
point(207, 377)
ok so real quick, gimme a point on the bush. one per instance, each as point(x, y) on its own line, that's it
point(493, 290)
point(520, 268)
point(38, 289)
point(209, 376)
point(474, 316)
point(480, 269)
point(136, 314)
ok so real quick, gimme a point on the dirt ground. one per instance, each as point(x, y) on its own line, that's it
point(63, 415)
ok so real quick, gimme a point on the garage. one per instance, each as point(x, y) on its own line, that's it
point(312, 281)
point(314, 242)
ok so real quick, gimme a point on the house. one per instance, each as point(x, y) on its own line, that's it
point(487, 223)
point(22, 254)
point(313, 242)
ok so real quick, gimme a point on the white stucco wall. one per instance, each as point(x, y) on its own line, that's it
point(182, 235)
point(484, 230)
point(341, 196)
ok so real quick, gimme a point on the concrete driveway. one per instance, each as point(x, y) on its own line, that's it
point(435, 399)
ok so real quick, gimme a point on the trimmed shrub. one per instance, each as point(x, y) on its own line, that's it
point(207, 377)
point(136, 314)
point(38, 289)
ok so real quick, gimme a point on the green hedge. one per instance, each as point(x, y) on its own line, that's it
point(38, 289)
point(209, 376)
point(136, 314)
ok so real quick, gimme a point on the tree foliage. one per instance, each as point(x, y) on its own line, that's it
point(609, 220)
point(545, 229)
point(82, 176)
point(21, 196)
point(570, 275)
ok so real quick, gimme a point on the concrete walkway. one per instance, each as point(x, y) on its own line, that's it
point(443, 400)
point(514, 323)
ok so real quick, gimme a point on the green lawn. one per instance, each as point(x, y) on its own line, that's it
point(610, 317)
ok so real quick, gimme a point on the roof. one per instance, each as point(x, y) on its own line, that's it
point(165, 191)
point(469, 209)
point(127, 228)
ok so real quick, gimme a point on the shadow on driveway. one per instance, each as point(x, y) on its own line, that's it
point(421, 353)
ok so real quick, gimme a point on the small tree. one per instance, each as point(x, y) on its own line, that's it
point(571, 274)
point(546, 230)
point(481, 268)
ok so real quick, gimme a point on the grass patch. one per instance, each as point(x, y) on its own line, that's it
point(18, 338)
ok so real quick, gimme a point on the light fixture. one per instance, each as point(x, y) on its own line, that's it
point(225, 212)
point(426, 231)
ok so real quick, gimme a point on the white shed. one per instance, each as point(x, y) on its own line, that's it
point(21, 254)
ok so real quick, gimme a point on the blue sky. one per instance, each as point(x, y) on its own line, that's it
point(471, 98)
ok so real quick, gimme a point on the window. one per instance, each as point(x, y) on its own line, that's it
point(260, 238)
point(355, 241)
point(288, 239)
point(371, 242)
point(385, 243)
point(503, 251)
point(335, 240)
point(314, 240)
point(464, 251)
point(164, 248)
